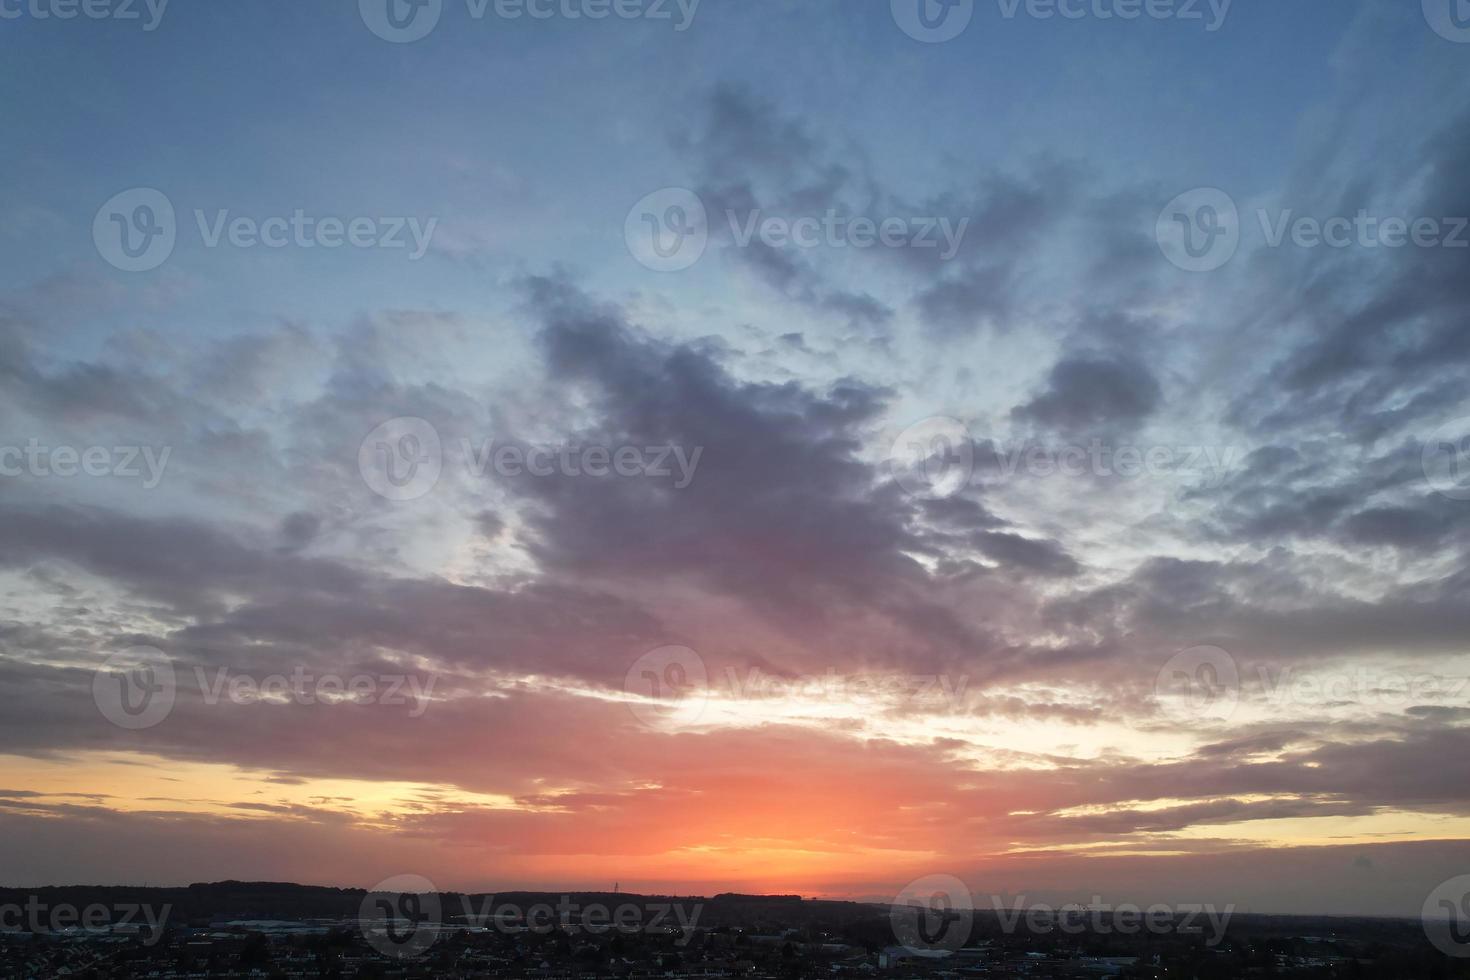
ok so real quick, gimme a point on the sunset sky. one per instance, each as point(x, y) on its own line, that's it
point(884, 665)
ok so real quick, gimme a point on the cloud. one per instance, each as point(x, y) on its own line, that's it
point(1084, 393)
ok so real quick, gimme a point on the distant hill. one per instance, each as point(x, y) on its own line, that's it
point(222, 901)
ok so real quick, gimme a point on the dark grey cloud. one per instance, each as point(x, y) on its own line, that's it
point(1334, 491)
point(1378, 336)
point(1026, 554)
point(751, 157)
point(782, 511)
point(1094, 393)
point(1425, 528)
point(299, 530)
point(1273, 609)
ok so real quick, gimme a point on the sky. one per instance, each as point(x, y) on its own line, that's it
point(767, 446)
